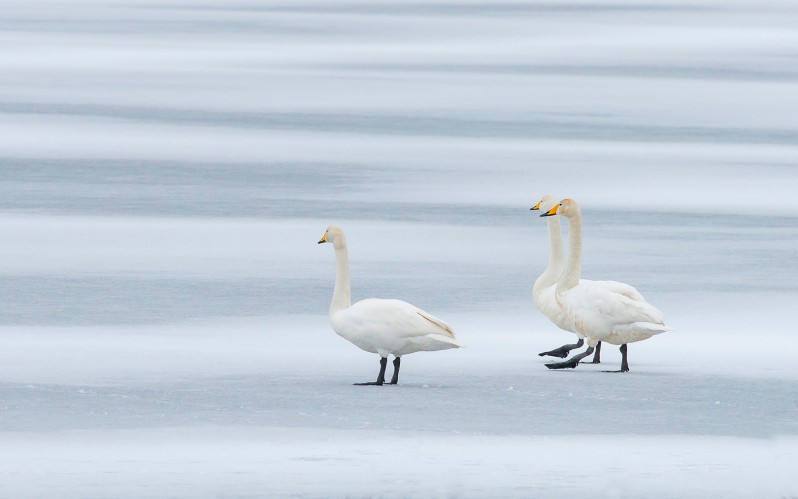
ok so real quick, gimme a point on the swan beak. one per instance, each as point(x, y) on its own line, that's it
point(536, 207)
point(551, 212)
point(323, 238)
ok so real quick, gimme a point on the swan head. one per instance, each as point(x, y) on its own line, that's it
point(567, 208)
point(333, 234)
point(545, 203)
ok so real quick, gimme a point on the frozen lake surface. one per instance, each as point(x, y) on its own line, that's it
point(166, 171)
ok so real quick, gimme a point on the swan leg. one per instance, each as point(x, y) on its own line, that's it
point(572, 362)
point(596, 356)
point(563, 351)
point(395, 377)
point(380, 377)
point(624, 362)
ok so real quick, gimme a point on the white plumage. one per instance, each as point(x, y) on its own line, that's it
point(545, 284)
point(544, 287)
point(381, 326)
point(392, 327)
point(604, 313)
point(607, 311)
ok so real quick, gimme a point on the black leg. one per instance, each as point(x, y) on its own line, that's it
point(572, 362)
point(562, 352)
point(381, 377)
point(624, 361)
point(596, 356)
point(395, 377)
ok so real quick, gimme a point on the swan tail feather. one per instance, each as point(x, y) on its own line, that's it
point(449, 341)
point(636, 331)
point(654, 328)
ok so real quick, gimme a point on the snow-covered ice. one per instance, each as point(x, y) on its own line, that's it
point(166, 171)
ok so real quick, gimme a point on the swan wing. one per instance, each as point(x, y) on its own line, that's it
point(546, 301)
point(395, 317)
point(601, 307)
point(442, 326)
point(386, 325)
point(619, 288)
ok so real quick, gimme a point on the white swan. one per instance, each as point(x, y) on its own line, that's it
point(607, 311)
point(545, 284)
point(384, 327)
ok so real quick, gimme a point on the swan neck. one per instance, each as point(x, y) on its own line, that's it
point(556, 255)
point(573, 267)
point(556, 247)
point(341, 299)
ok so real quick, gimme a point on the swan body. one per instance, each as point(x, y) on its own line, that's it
point(392, 327)
point(604, 314)
point(607, 311)
point(546, 301)
point(381, 326)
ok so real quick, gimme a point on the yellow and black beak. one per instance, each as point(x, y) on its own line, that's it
point(323, 238)
point(551, 212)
point(536, 207)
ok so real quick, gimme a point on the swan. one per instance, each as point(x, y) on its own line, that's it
point(381, 326)
point(607, 311)
point(545, 284)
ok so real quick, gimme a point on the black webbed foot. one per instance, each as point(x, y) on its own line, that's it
point(572, 362)
point(380, 377)
point(557, 352)
point(563, 351)
point(568, 364)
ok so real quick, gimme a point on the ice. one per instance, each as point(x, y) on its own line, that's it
point(280, 461)
point(266, 406)
point(167, 169)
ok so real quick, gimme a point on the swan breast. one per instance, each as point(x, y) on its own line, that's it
point(546, 301)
